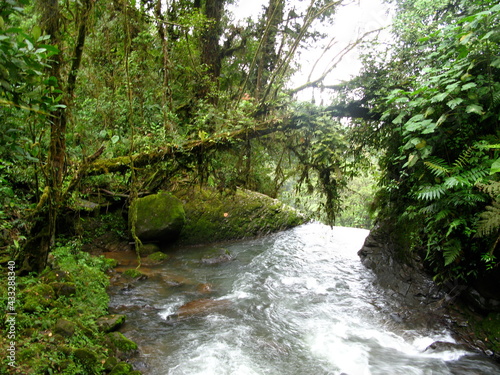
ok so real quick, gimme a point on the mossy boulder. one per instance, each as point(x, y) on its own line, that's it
point(157, 257)
point(212, 216)
point(110, 323)
point(120, 342)
point(39, 296)
point(63, 288)
point(148, 249)
point(158, 217)
point(133, 273)
point(122, 368)
point(86, 357)
point(65, 328)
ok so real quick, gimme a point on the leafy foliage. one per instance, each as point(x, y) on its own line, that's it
point(439, 127)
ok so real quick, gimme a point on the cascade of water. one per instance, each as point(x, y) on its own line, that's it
point(297, 302)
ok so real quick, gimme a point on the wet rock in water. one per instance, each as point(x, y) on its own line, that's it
point(204, 288)
point(223, 258)
point(110, 323)
point(199, 307)
point(444, 346)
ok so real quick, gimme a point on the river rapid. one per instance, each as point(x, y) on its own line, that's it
point(293, 303)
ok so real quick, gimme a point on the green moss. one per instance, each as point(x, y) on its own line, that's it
point(110, 363)
point(212, 216)
point(110, 323)
point(132, 273)
point(65, 328)
point(121, 368)
point(148, 249)
point(158, 256)
point(39, 296)
point(86, 357)
point(491, 328)
point(157, 217)
point(122, 343)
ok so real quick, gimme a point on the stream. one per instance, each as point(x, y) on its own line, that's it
point(297, 302)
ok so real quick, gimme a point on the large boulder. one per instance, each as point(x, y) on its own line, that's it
point(212, 216)
point(158, 217)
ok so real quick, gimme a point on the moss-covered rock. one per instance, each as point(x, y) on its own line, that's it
point(157, 217)
point(122, 368)
point(50, 276)
point(86, 357)
point(213, 217)
point(110, 323)
point(110, 363)
point(120, 342)
point(133, 273)
point(157, 257)
point(148, 249)
point(39, 296)
point(65, 328)
point(66, 289)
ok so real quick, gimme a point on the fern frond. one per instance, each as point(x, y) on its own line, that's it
point(430, 209)
point(451, 182)
point(438, 167)
point(492, 188)
point(443, 214)
point(451, 251)
point(474, 175)
point(431, 192)
point(490, 220)
point(464, 157)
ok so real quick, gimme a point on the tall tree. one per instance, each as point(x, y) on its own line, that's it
point(34, 255)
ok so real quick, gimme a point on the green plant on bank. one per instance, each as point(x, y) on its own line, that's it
point(440, 130)
point(56, 333)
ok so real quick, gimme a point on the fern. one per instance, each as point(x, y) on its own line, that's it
point(438, 167)
point(464, 158)
point(492, 188)
point(451, 251)
point(489, 220)
point(431, 192)
point(473, 176)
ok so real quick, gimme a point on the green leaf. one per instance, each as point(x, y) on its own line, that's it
point(36, 32)
point(468, 86)
point(439, 97)
point(454, 102)
point(474, 108)
point(495, 167)
point(115, 139)
point(398, 120)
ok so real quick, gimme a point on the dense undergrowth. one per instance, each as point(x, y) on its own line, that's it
point(56, 328)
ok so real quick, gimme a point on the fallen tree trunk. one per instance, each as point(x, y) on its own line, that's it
point(221, 141)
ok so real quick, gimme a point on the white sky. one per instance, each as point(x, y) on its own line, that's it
point(353, 19)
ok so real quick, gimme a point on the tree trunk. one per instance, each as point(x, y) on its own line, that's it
point(268, 56)
point(33, 256)
point(211, 56)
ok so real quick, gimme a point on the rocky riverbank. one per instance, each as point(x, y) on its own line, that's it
point(463, 309)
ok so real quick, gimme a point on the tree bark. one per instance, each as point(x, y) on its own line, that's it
point(33, 257)
point(211, 55)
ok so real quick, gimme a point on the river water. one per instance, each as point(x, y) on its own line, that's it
point(297, 302)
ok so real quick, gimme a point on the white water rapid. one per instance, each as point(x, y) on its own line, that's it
point(295, 303)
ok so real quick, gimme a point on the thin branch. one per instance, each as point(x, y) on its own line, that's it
point(335, 61)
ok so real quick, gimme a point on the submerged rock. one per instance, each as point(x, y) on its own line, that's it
point(199, 307)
